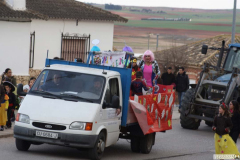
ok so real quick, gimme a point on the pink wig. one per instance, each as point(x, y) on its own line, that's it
point(150, 53)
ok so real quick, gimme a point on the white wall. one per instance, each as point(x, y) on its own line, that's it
point(48, 36)
point(14, 47)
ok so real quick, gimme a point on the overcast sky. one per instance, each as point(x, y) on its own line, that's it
point(203, 4)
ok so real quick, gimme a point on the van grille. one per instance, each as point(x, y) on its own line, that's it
point(48, 126)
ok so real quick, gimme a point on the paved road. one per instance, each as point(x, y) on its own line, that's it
point(177, 144)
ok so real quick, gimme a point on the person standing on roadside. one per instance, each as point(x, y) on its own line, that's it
point(168, 77)
point(8, 74)
point(182, 85)
point(234, 110)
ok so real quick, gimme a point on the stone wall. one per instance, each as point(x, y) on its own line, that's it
point(34, 72)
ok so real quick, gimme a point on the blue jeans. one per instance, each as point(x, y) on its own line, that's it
point(180, 98)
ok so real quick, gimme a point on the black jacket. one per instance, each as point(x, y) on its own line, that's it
point(221, 123)
point(168, 79)
point(236, 122)
point(182, 82)
point(12, 100)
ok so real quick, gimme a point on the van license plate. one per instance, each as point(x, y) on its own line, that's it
point(46, 134)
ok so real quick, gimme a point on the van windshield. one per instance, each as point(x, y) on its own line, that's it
point(64, 84)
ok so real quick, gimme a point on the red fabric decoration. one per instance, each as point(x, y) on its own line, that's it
point(224, 104)
point(149, 119)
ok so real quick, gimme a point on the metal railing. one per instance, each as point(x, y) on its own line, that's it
point(74, 46)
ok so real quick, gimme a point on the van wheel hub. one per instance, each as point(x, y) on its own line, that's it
point(101, 146)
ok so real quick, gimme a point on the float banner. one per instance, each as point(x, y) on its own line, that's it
point(164, 88)
point(113, 59)
point(154, 112)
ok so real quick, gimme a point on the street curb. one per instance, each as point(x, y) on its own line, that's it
point(6, 135)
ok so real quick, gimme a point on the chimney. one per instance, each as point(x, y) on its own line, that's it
point(18, 5)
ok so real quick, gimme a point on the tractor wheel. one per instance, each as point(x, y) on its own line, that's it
point(188, 123)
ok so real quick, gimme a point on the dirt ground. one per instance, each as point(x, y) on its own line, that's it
point(142, 31)
point(136, 16)
point(137, 37)
point(214, 24)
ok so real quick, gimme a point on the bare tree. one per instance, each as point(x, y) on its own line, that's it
point(175, 56)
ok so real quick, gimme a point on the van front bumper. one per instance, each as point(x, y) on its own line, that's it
point(71, 140)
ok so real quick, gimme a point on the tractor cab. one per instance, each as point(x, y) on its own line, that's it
point(233, 58)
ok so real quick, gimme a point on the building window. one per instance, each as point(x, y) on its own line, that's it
point(75, 46)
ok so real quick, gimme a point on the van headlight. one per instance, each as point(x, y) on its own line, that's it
point(23, 118)
point(81, 126)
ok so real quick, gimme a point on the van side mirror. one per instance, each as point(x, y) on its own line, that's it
point(20, 91)
point(204, 49)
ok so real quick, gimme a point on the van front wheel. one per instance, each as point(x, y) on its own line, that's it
point(96, 153)
point(22, 145)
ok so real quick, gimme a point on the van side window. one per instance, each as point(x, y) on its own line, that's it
point(112, 89)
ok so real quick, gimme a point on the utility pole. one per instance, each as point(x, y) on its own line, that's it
point(157, 43)
point(234, 21)
point(148, 40)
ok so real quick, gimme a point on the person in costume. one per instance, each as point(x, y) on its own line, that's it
point(9, 88)
point(221, 125)
point(234, 110)
point(134, 67)
point(137, 85)
point(150, 68)
point(3, 99)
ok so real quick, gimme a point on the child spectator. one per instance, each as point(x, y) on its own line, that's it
point(2, 108)
point(138, 84)
point(9, 88)
point(27, 87)
point(221, 125)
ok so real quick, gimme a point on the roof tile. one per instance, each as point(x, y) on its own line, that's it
point(59, 9)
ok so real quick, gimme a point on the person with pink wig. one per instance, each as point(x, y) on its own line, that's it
point(150, 68)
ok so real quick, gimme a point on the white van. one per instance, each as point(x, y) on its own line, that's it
point(75, 104)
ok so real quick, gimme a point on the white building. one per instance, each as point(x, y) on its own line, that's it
point(65, 28)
